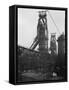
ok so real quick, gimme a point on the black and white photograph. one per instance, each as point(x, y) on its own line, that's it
point(37, 44)
point(34, 40)
point(41, 45)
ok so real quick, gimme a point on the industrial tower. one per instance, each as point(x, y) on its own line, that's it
point(53, 43)
point(42, 33)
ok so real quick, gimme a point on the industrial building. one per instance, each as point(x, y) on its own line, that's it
point(41, 61)
point(61, 44)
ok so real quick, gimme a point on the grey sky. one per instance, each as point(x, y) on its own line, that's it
point(27, 25)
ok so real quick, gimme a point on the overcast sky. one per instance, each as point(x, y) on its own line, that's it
point(27, 25)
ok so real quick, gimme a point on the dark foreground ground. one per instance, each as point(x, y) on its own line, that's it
point(33, 66)
point(33, 76)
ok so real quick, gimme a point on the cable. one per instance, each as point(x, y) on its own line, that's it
point(53, 22)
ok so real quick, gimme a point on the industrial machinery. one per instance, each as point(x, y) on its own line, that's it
point(42, 33)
